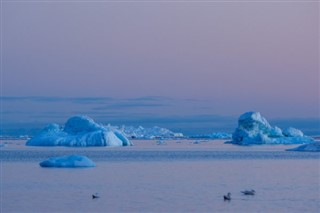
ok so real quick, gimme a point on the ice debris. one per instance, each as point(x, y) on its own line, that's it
point(79, 131)
point(255, 129)
point(68, 161)
point(161, 142)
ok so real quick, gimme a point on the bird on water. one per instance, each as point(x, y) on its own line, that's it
point(94, 196)
point(227, 197)
point(249, 192)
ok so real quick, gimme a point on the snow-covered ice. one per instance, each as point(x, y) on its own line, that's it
point(255, 129)
point(312, 147)
point(292, 132)
point(79, 131)
point(68, 161)
point(148, 133)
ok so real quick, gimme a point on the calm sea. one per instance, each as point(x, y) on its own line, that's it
point(176, 176)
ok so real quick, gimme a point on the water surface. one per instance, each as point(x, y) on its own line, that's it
point(179, 176)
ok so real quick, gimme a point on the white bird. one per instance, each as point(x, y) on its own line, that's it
point(227, 197)
point(248, 192)
point(95, 196)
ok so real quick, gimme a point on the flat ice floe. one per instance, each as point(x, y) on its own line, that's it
point(79, 131)
point(68, 161)
point(255, 129)
point(312, 147)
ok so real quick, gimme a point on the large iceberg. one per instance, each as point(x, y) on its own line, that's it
point(68, 161)
point(79, 131)
point(312, 147)
point(255, 129)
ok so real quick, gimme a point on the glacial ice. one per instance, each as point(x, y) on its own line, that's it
point(148, 133)
point(255, 129)
point(312, 147)
point(79, 131)
point(292, 132)
point(68, 161)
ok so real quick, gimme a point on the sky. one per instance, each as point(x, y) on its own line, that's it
point(180, 64)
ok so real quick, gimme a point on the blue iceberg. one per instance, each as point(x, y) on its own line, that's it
point(70, 161)
point(255, 129)
point(79, 131)
point(292, 132)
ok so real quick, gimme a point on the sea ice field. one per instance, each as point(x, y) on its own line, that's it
point(161, 176)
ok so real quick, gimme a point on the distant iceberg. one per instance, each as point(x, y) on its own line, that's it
point(312, 147)
point(149, 133)
point(70, 161)
point(79, 131)
point(255, 129)
point(215, 135)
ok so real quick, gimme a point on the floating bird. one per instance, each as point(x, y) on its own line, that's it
point(227, 197)
point(248, 192)
point(94, 196)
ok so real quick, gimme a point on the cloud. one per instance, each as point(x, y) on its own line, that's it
point(125, 105)
point(49, 99)
point(190, 116)
point(92, 100)
point(150, 98)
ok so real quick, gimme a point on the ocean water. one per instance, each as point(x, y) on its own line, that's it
point(176, 176)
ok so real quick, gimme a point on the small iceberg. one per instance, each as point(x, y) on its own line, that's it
point(79, 131)
point(255, 129)
point(71, 161)
point(312, 147)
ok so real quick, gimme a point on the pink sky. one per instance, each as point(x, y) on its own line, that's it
point(236, 56)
